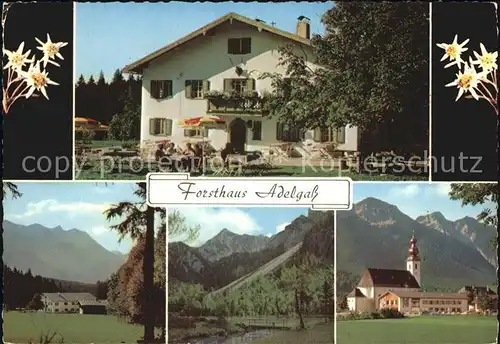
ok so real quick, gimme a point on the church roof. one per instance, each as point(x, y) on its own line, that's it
point(388, 278)
point(426, 295)
point(356, 293)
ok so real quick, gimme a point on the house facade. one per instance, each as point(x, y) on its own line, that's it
point(418, 302)
point(400, 290)
point(216, 71)
point(64, 302)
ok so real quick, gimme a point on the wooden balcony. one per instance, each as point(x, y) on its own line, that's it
point(237, 106)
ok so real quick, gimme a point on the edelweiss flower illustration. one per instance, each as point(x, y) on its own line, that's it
point(50, 51)
point(17, 59)
point(453, 51)
point(466, 81)
point(20, 83)
point(487, 61)
point(37, 80)
point(480, 85)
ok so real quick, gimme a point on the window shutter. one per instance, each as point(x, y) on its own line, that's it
point(251, 84)
point(168, 127)
point(228, 85)
point(246, 45)
point(278, 131)
point(188, 89)
point(152, 126)
point(341, 135)
point(153, 89)
point(206, 86)
point(232, 45)
point(170, 88)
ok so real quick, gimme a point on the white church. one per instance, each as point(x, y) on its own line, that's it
point(400, 290)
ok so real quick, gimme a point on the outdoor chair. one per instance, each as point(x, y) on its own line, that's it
point(234, 165)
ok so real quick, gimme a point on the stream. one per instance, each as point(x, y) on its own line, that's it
point(235, 339)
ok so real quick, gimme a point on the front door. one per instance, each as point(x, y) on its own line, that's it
point(238, 135)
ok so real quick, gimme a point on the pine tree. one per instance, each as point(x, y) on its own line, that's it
point(81, 81)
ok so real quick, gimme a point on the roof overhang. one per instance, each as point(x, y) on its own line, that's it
point(138, 66)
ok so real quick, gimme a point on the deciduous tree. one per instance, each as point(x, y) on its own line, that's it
point(374, 74)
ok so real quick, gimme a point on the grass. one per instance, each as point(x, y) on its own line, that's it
point(419, 330)
point(123, 172)
point(73, 328)
point(105, 143)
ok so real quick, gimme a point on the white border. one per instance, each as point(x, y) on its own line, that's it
point(172, 196)
point(430, 93)
point(334, 269)
point(73, 156)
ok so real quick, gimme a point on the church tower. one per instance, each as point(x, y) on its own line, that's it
point(413, 261)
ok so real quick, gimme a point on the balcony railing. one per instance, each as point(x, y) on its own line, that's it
point(236, 104)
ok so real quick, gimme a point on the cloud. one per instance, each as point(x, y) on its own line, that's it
point(97, 231)
point(102, 190)
point(52, 205)
point(281, 227)
point(407, 191)
point(442, 189)
point(212, 221)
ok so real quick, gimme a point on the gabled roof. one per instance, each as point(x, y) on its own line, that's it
point(103, 303)
point(426, 295)
point(69, 297)
point(137, 66)
point(388, 278)
point(356, 293)
point(477, 290)
point(54, 297)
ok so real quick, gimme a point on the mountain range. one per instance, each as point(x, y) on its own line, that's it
point(228, 257)
point(71, 255)
point(373, 234)
point(376, 234)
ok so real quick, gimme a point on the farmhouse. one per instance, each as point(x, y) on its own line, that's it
point(400, 290)
point(215, 71)
point(84, 303)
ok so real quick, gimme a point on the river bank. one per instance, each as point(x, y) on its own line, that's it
point(230, 339)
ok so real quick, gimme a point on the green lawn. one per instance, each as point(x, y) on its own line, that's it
point(105, 143)
point(72, 328)
point(419, 330)
point(123, 172)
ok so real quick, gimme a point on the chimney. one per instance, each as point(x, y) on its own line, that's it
point(304, 27)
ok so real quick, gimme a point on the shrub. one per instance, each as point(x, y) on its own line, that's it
point(129, 144)
point(85, 135)
point(389, 313)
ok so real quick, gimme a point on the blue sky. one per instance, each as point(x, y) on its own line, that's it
point(112, 35)
point(415, 199)
point(81, 205)
point(258, 221)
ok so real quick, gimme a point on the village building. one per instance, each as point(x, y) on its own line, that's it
point(475, 293)
point(83, 303)
point(401, 290)
point(216, 71)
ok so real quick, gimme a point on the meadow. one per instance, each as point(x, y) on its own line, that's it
point(419, 330)
point(71, 328)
